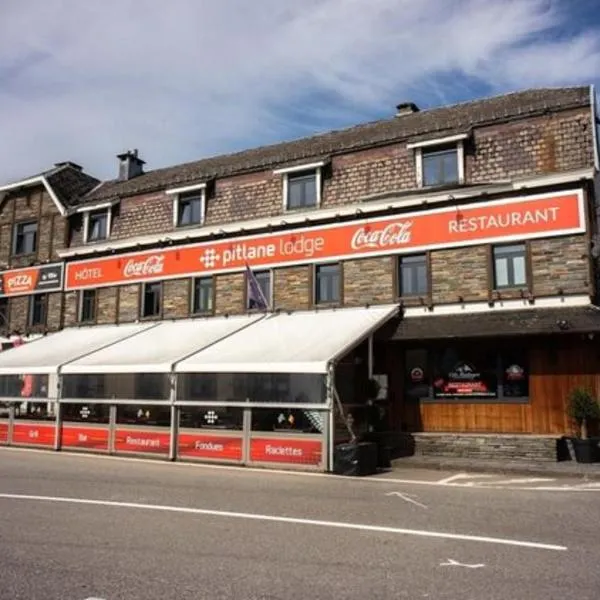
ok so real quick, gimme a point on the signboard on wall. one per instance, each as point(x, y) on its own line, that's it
point(500, 220)
point(31, 280)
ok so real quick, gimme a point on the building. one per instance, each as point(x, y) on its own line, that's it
point(448, 254)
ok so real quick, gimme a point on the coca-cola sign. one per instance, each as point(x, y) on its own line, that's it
point(392, 235)
point(476, 223)
point(147, 267)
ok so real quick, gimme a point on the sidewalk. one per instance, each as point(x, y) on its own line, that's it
point(474, 465)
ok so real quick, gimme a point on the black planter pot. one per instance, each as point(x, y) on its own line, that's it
point(586, 451)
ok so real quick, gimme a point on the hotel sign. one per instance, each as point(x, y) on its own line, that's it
point(31, 280)
point(489, 222)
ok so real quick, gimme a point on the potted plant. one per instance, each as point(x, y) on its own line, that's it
point(583, 408)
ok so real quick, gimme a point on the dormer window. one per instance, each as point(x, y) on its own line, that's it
point(188, 205)
point(96, 222)
point(97, 225)
point(440, 162)
point(301, 186)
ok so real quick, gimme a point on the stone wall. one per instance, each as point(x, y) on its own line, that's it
point(369, 281)
point(176, 298)
point(230, 293)
point(292, 288)
point(460, 274)
point(129, 303)
point(486, 447)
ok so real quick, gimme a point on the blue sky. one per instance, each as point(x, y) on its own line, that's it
point(83, 81)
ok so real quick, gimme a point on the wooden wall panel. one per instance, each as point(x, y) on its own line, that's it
point(476, 417)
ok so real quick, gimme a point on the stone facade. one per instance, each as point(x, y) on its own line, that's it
point(54, 319)
point(292, 288)
point(107, 305)
point(369, 281)
point(230, 293)
point(460, 275)
point(176, 298)
point(129, 303)
point(560, 266)
point(486, 447)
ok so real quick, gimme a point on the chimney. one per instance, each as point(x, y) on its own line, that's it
point(130, 165)
point(406, 108)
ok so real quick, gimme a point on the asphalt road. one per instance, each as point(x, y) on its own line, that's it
point(79, 527)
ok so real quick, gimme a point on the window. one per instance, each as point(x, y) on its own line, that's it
point(202, 301)
point(25, 238)
point(151, 299)
point(302, 190)
point(189, 209)
point(509, 266)
point(440, 161)
point(96, 225)
point(463, 372)
point(38, 304)
point(327, 283)
point(440, 167)
point(4, 316)
point(302, 185)
point(87, 306)
point(263, 278)
point(412, 275)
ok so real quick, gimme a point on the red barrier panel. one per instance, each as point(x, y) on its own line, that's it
point(90, 438)
point(210, 446)
point(37, 434)
point(133, 440)
point(3, 432)
point(295, 451)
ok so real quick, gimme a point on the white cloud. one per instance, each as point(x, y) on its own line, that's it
point(83, 81)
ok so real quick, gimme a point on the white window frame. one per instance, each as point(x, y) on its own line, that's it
point(177, 192)
point(317, 167)
point(86, 224)
point(418, 147)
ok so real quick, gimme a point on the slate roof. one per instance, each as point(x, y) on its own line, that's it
point(580, 319)
point(417, 126)
point(70, 184)
point(68, 181)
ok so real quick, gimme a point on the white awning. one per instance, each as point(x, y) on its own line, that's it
point(155, 350)
point(301, 342)
point(46, 354)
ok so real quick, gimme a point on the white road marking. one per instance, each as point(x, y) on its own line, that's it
point(514, 481)
point(455, 563)
point(407, 498)
point(295, 520)
point(454, 478)
point(266, 471)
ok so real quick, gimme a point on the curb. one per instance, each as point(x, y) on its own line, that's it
point(572, 470)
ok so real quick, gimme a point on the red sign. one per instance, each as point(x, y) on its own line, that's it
point(539, 216)
point(210, 446)
point(31, 280)
point(133, 440)
point(3, 432)
point(33, 433)
point(91, 438)
point(296, 451)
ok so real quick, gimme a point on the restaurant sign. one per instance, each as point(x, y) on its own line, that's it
point(501, 220)
point(31, 280)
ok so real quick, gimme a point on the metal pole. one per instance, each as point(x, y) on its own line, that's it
point(330, 438)
point(54, 384)
point(11, 422)
point(112, 426)
point(370, 355)
point(173, 378)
